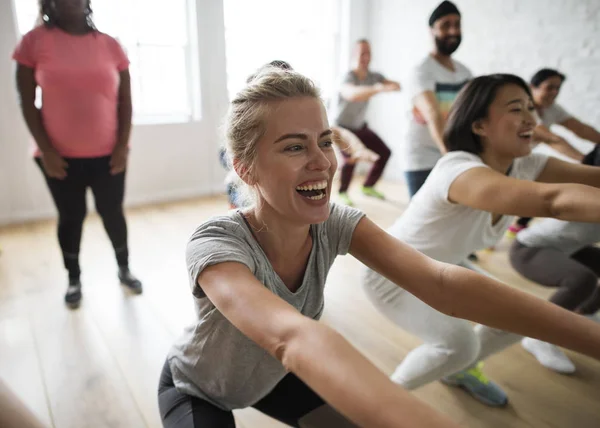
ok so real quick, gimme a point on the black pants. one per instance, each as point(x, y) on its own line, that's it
point(575, 276)
point(415, 180)
point(288, 403)
point(69, 197)
point(524, 221)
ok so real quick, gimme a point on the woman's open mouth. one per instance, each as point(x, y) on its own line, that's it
point(314, 191)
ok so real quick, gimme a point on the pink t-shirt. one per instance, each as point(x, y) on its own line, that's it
point(79, 78)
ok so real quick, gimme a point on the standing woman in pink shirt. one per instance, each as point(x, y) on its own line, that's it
point(81, 132)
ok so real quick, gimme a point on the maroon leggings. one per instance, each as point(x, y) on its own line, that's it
point(371, 142)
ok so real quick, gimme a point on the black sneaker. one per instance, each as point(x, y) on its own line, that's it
point(473, 257)
point(73, 294)
point(128, 280)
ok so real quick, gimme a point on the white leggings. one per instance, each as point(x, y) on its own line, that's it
point(450, 344)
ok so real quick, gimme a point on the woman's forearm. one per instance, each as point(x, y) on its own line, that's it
point(562, 146)
point(354, 93)
point(590, 134)
point(436, 126)
point(576, 202)
point(583, 130)
point(125, 114)
point(33, 119)
point(326, 362)
point(478, 298)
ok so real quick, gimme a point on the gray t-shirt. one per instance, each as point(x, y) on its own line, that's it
point(213, 360)
point(554, 114)
point(420, 150)
point(351, 114)
point(565, 236)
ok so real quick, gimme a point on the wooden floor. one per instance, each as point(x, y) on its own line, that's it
point(99, 366)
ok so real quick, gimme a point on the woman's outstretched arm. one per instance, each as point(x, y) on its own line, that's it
point(317, 354)
point(462, 293)
point(563, 190)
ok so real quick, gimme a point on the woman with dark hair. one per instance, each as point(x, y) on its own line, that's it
point(81, 131)
point(545, 86)
point(467, 204)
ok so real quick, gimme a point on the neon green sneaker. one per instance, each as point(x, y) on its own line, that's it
point(478, 385)
point(345, 199)
point(370, 191)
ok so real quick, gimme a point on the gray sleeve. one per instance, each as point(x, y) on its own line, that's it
point(559, 114)
point(378, 77)
point(349, 78)
point(216, 241)
point(340, 227)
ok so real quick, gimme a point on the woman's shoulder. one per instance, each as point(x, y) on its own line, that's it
point(37, 32)
point(458, 157)
point(108, 39)
point(224, 224)
point(341, 212)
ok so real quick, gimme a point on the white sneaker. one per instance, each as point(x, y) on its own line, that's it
point(549, 355)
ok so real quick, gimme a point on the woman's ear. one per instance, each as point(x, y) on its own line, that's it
point(478, 128)
point(243, 172)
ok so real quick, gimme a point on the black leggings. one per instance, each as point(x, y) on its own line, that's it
point(289, 401)
point(524, 221)
point(69, 197)
point(575, 276)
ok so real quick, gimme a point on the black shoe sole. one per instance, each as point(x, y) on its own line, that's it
point(134, 290)
point(73, 305)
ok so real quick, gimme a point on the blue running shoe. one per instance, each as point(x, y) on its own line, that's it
point(478, 385)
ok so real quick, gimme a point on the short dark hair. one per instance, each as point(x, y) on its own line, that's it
point(445, 8)
point(544, 74)
point(472, 104)
point(359, 41)
point(50, 19)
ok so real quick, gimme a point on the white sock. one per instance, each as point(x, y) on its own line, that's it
point(549, 355)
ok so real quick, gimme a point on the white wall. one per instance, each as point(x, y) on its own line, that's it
point(515, 36)
point(355, 25)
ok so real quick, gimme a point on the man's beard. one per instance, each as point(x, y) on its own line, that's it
point(447, 47)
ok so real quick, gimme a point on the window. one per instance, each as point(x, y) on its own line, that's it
point(305, 33)
point(159, 43)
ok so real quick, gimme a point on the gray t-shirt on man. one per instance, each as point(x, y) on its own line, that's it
point(213, 360)
point(351, 114)
point(554, 114)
